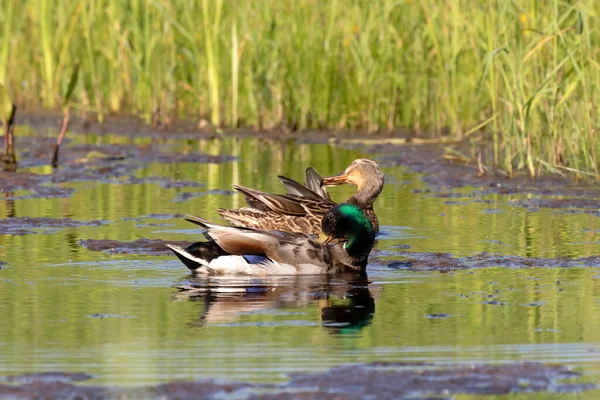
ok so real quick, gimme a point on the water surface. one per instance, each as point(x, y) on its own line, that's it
point(120, 318)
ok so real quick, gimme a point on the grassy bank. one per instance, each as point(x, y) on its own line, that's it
point(523, 74)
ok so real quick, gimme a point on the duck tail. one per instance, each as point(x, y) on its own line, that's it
point(198, 255)
point(198, 221)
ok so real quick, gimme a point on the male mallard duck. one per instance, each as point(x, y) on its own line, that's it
point(344, 245)
point(303, 207)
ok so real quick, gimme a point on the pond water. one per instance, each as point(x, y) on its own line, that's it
point(120, 318)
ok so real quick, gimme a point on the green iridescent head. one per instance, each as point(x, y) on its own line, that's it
point(350, 224)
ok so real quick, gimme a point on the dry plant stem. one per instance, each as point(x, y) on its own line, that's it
point(10, 157)
point(61, 135)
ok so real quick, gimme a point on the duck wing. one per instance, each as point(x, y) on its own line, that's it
point(288, 204)
point(314, 182)
point(270, 202)
point(235, 240)
point(295, 249)
point(297, 189)
point(313, 187)
point(300, 210)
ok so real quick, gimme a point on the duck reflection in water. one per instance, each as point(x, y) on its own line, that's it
point(346, 303)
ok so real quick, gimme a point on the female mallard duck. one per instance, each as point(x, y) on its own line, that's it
point(303, 207)
point(343, 246)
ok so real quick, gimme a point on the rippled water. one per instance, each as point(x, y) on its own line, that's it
point(119, 317)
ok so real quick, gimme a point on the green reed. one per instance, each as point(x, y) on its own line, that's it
point(523, 75)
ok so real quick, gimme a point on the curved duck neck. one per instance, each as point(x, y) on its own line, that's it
point(361, 238)
point(361, 242)
point(365, 195)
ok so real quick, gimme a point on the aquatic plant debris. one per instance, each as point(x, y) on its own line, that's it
point(375, 381)
point(421, 261)
point(166, 183)
point(29, 225)
point(189, 195)
point(110, 163)
point(54, 376)
point(12, 181)
point(140, 246)
point(425, 261)
point(103, 316)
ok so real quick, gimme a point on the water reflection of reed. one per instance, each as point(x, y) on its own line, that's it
point(346, 303)
point(10, 205)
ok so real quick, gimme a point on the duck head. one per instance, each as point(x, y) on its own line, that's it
point(350, 234)
point(366, 175)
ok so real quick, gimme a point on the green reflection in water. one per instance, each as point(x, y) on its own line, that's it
point(119, 318)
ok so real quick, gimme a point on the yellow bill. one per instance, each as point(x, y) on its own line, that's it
point(324, 239)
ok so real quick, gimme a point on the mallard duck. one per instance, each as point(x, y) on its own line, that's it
point(303, 207)
point(368, 178)
point(344, 245)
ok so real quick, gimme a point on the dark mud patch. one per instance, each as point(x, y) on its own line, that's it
point(186, 158)
point(111, 163)
point(192, 390)
point(153, 216)
point(149, 225)
point(438, 316)
point(164, 182)
point(35, 153)
point(54, 376)
point(49, 385)
point(374, 381)
point(389, 381)
point(455, 203)
point(425, 158)
point(108, 162)
point(52, 390)
point(104, 316)
point(179, 129)
point(492, 211)
point(442, 173)
point(423, 261)
point(578, 205)
point(164, 216)
point(190, 195)
point(44, 192)
point(27, 225)
point(107, 173)
point(154, 247)
point(13, 181)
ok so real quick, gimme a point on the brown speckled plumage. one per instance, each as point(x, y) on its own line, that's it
point(302, 209)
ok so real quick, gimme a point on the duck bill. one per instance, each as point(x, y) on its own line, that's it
point(324, 239)
point(336, 180)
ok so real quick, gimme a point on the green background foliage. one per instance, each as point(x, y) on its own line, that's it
point(523, 74)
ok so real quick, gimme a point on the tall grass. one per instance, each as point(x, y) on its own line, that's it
point(525, 74)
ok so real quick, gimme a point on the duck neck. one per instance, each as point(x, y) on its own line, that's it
point(365, 195)
point(361, 242)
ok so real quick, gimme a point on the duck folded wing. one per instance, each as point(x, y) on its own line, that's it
point(280, 247)
point(313, 188)
point(283, 247)
point(271, 202)
point(314, 182)
point(234, 265)
point(297, 189)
